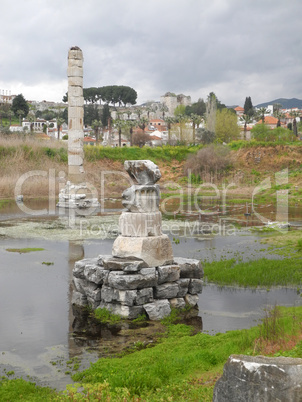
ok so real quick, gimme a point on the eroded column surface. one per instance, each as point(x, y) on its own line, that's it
point(75, 115)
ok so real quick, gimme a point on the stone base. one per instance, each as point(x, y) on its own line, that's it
point(128, 288)
point(73, 196)
point(145, 224)
point(154, 250)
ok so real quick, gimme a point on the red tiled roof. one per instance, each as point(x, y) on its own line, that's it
point(269, 120)
point(239, 109)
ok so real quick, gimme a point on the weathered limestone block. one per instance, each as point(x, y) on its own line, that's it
point(168, 273)
point(143, 171)
point(158, 309)
point(96, 274)
point(79, 299)
point(141, 198)
point(260, 378)
point(154, 250)
point(136, 224)
point(177, 302)
point(195, 286)
point(125, 297)
point(87, 288)
point(183, 284)
point(166, 290)
point(144, 296)
point(145, 279)
point(189, 268)
point(191, 300)
point(130, 312)
point(79, 266)
point(121, 264)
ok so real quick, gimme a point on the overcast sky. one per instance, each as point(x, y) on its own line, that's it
point(234, 48)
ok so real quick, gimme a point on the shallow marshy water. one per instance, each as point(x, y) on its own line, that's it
point(39, 331)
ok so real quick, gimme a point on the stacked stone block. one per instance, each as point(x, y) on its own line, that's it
point(141, 275)
point(130, 287)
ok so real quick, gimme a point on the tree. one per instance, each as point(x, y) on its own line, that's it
point(140, 139)
point(97, 125)
point(248, 107)
point(120, 124)
point(196, 120)
point(210, 116)
point(131, 124)
point(20, 114)
point(198, 108)
point(19, 103)
point(163, 108)
point(31, 119)
point(169, 121)
point(293, 114)
point(279, 115)
point(105, 116)
point(10, 114)
point(226, 128)
point(260, 132)
point(246, 118)
point(261, 112)
point(2, 113)
point(60, 121)
point(142, 123)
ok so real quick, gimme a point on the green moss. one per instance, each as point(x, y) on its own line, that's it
point(23, 250)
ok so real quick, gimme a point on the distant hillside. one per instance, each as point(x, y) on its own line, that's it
point(286, 103)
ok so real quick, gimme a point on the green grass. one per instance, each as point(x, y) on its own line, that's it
point(180, 367)
point(166, 153)
point(263, 272)
point(23, 250)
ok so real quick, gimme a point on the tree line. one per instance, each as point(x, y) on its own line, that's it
point(111, 94)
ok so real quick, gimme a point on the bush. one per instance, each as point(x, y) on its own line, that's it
point(213, 158)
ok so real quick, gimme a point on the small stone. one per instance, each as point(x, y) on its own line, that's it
point(157, 310)
point(195, 286)
point(96, 274)
point(183, 284)
point(120, 281)
point(79, 266)
point(177, 302)
point(191, 300)
point(79, 299)
point(168, 273)
point(121, 264)
point(166, 290)
point(124, 311)
point(189, 268)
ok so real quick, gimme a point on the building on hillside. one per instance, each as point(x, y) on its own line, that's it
point(157, 124)
point(6, 97)
point(239, 111)
point(15, 128)
point(270, 121)
point(172, 101)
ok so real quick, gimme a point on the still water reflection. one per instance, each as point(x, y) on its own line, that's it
point(37, 321)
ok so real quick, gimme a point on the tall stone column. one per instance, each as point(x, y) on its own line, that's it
point(76, 172)
point(74, 194)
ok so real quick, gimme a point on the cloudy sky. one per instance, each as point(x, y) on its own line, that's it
point(235, 48)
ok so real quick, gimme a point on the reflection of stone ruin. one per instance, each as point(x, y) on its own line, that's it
point(141, 275)
point(73, 195)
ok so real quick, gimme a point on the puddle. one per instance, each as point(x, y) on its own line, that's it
point(39, 331)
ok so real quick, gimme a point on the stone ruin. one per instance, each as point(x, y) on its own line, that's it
point(74, 194)
point(141, 276)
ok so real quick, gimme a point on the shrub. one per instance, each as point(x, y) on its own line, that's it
point(213, 158)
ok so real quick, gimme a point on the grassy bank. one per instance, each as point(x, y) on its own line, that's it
point(180, 367)
point(251, 163)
